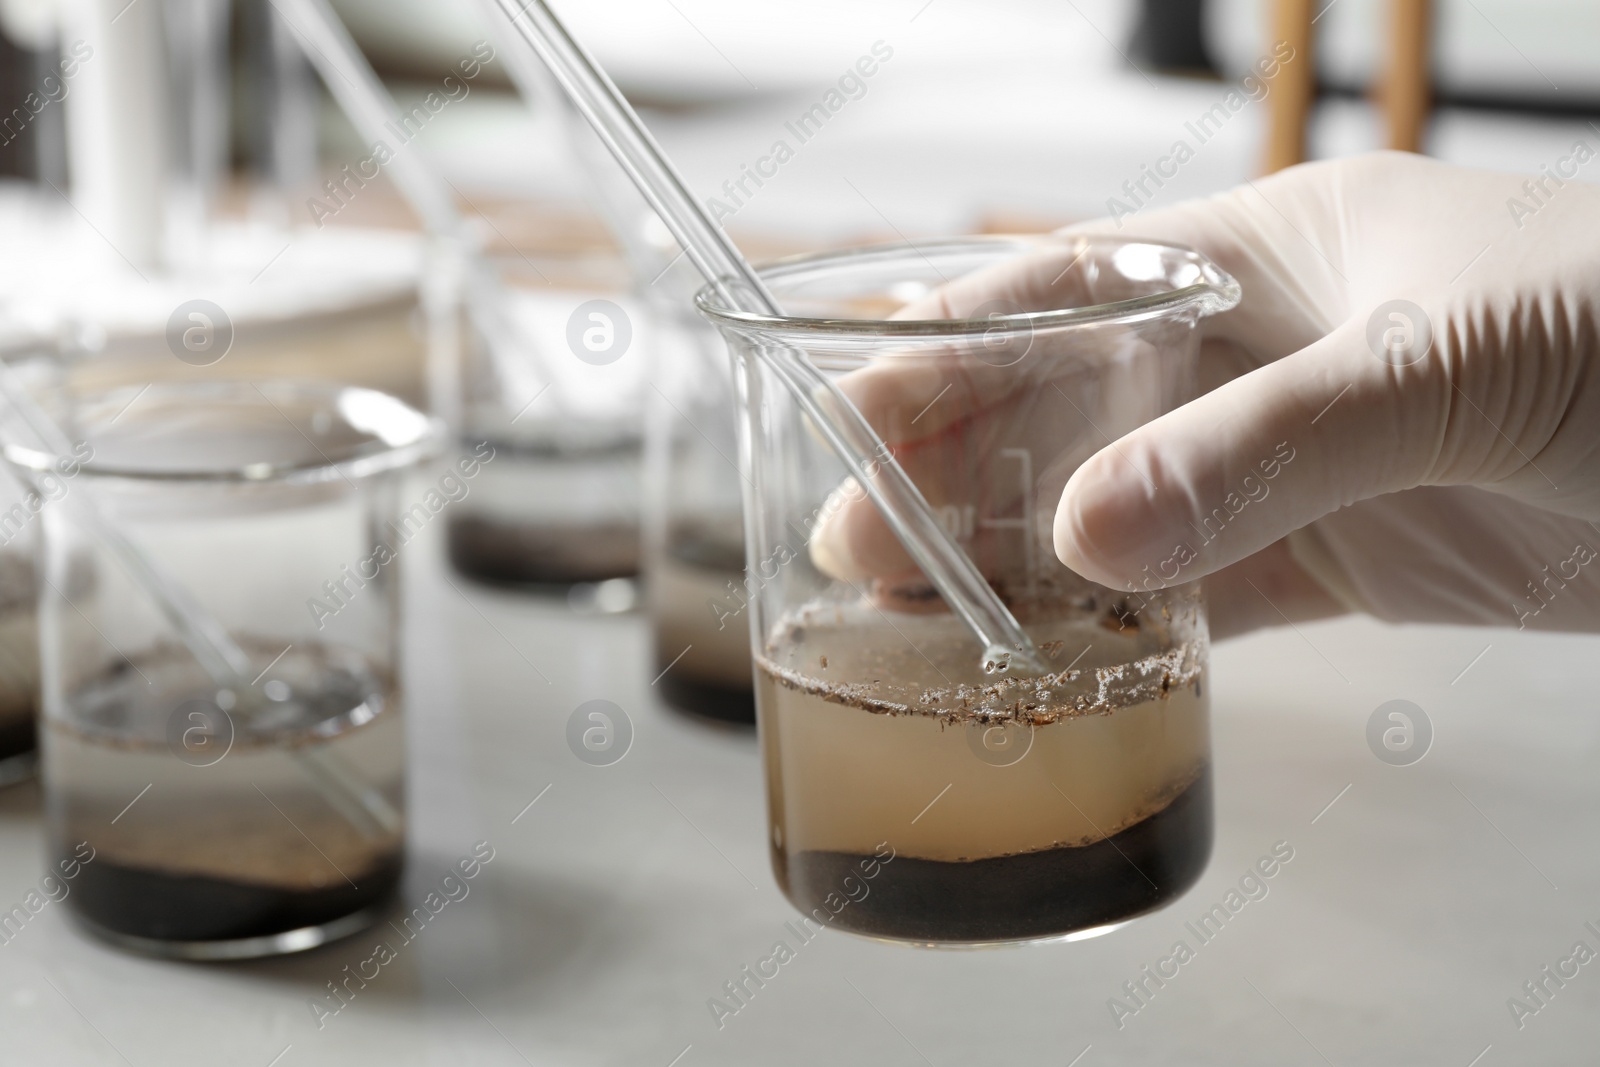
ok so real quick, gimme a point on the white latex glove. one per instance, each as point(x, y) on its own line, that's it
point(1461, 487)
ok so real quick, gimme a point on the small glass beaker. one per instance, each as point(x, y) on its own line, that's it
point(553, 379)
point(256, 807)
point(912, 796)
point(694, 524)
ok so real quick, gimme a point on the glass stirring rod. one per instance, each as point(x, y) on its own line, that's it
point(1006, 645)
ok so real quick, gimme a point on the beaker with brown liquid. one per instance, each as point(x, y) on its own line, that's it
point(913, 793)
point(694, 526)
point(249, 808)
point(558, 505)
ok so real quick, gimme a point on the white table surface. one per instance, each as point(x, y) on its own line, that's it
point(1414, 907)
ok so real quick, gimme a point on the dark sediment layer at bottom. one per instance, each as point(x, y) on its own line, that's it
point(142, 902)
point(498, 553)
point(1011, 898)
point(17, 735)
point(720, 703)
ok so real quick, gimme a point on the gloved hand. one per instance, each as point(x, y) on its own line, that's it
point(1446, 454)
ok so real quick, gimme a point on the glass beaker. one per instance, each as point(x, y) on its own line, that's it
point(694, 524)
point(913, 797)
point(553, 378)
point(254, 809)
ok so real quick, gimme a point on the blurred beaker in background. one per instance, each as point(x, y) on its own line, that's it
point(554, 374)
point(694, 526)
point(553, 377)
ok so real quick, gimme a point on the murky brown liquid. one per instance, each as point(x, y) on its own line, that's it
point(538, 515)
point(514, 553)
point(205, 832)
point(1013, 809)
point(702, 629)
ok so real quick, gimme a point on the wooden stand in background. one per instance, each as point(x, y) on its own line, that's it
point(1402, 94)
point(1294, 89)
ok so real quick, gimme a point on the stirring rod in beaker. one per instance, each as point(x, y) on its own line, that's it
point(206, 638)
point(716, 257)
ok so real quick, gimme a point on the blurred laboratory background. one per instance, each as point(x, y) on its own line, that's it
point(200, 139)
point(390, 204)
point(1018, 113)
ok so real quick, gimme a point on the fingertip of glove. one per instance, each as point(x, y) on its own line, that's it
point(1102, 526)
point(829, 544)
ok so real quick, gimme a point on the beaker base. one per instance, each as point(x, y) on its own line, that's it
point(244, 948)
point(1019, 940)
point(1016, 942)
